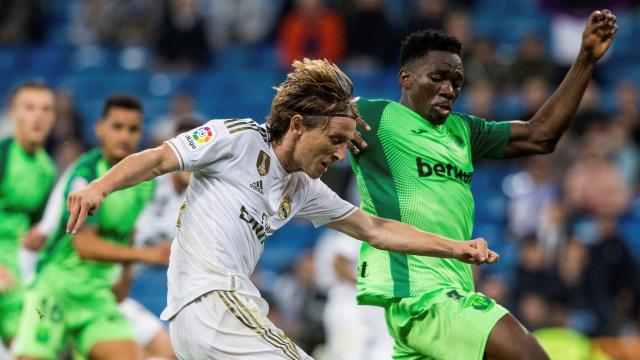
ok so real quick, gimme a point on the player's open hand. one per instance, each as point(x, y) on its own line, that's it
point(81, 204)
point(34, 239)
point(358, 142)
point(475, 252)
point(158, 254)
point(598, 34)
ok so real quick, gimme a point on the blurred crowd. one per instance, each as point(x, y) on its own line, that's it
point(567, 222)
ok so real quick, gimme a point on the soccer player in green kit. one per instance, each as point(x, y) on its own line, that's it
point(418, 167)
point(71, 297)
point(27, 175)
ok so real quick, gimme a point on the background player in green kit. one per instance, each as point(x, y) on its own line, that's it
point(27, 175)
point(418, 169)
point(71, 298)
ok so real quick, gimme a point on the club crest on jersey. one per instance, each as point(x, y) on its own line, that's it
point(198, 137)
point(284, 210)
point(263, 163)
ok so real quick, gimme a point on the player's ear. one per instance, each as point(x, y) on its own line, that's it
point(99, 128)
point(295, 125)
point(404, 78)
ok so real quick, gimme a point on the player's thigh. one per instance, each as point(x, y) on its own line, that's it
point(42, 329)
point(510, 340)
point(451, 325)
point(145, 324)
point(116, 350)
point(10, 313)
point(225, 325)
point(103, 325)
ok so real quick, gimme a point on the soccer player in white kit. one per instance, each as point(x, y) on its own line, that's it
point(248, 181)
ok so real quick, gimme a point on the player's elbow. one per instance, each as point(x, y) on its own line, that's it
point(374, 235)
point(82, 246)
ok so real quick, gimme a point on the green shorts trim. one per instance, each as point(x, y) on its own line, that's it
point(52, 318)
point(445, 324)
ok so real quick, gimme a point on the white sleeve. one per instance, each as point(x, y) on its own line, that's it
point(203, 146)
point(323, 206)
point(54, 208)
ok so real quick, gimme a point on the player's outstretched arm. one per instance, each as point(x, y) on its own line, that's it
point(132, 170)
point(91, 247)
point(395, 236)
point(542, 132)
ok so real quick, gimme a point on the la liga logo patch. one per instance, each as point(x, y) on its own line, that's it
point(202, 134)
point(197, 138)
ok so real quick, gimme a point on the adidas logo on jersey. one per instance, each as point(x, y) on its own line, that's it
point(257, 186)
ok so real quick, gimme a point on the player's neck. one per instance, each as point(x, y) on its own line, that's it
point(29, 147)
point(284, 153)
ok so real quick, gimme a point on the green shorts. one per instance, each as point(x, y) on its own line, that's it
point(10, 310)
point(52, 317)
point(447, 324)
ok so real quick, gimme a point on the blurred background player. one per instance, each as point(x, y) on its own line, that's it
point(353, 332)
point(71, 294)
point(27, 175)
point(153, 226)
point(418, 168)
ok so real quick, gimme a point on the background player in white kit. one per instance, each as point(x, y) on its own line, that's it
point(353, 332)
point(247, 182)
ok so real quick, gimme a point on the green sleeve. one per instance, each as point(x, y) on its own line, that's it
point(488, 138)
point(371, 112)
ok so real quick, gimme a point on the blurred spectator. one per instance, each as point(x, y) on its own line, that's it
point(481, 99)
point(239, 21)
point(21, 21)
point(615, 278)
point(533, 193)
point(592, 184)
point(625, 153)
point(574, 269)
point(530, 61)
point(628, 112)
point(65, 142)
point(588, 111)
point(181, 106)
point(118, 22)
point(535, 285)
point(369, 35)
point(311, 30)
point(481, 63)
point(458, 24)
point(535, 91)
point(182, 42)
point(301, 304)
point(426, 14)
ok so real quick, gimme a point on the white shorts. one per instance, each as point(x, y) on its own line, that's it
point(228, 326)
point(145, 324)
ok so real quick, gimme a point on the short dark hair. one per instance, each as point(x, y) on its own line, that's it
point(418, 44)
point(35, 84)
point(124, 101)
point(186, 123)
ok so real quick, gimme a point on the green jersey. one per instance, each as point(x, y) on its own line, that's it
point(25, 182)
point(114, 222)
point(419, 173)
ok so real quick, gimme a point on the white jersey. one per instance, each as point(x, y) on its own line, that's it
point(238, 195)
point(157, 222)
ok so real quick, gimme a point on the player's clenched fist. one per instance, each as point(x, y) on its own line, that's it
point(82, 203)
point(475, 252)
point(598, 34)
